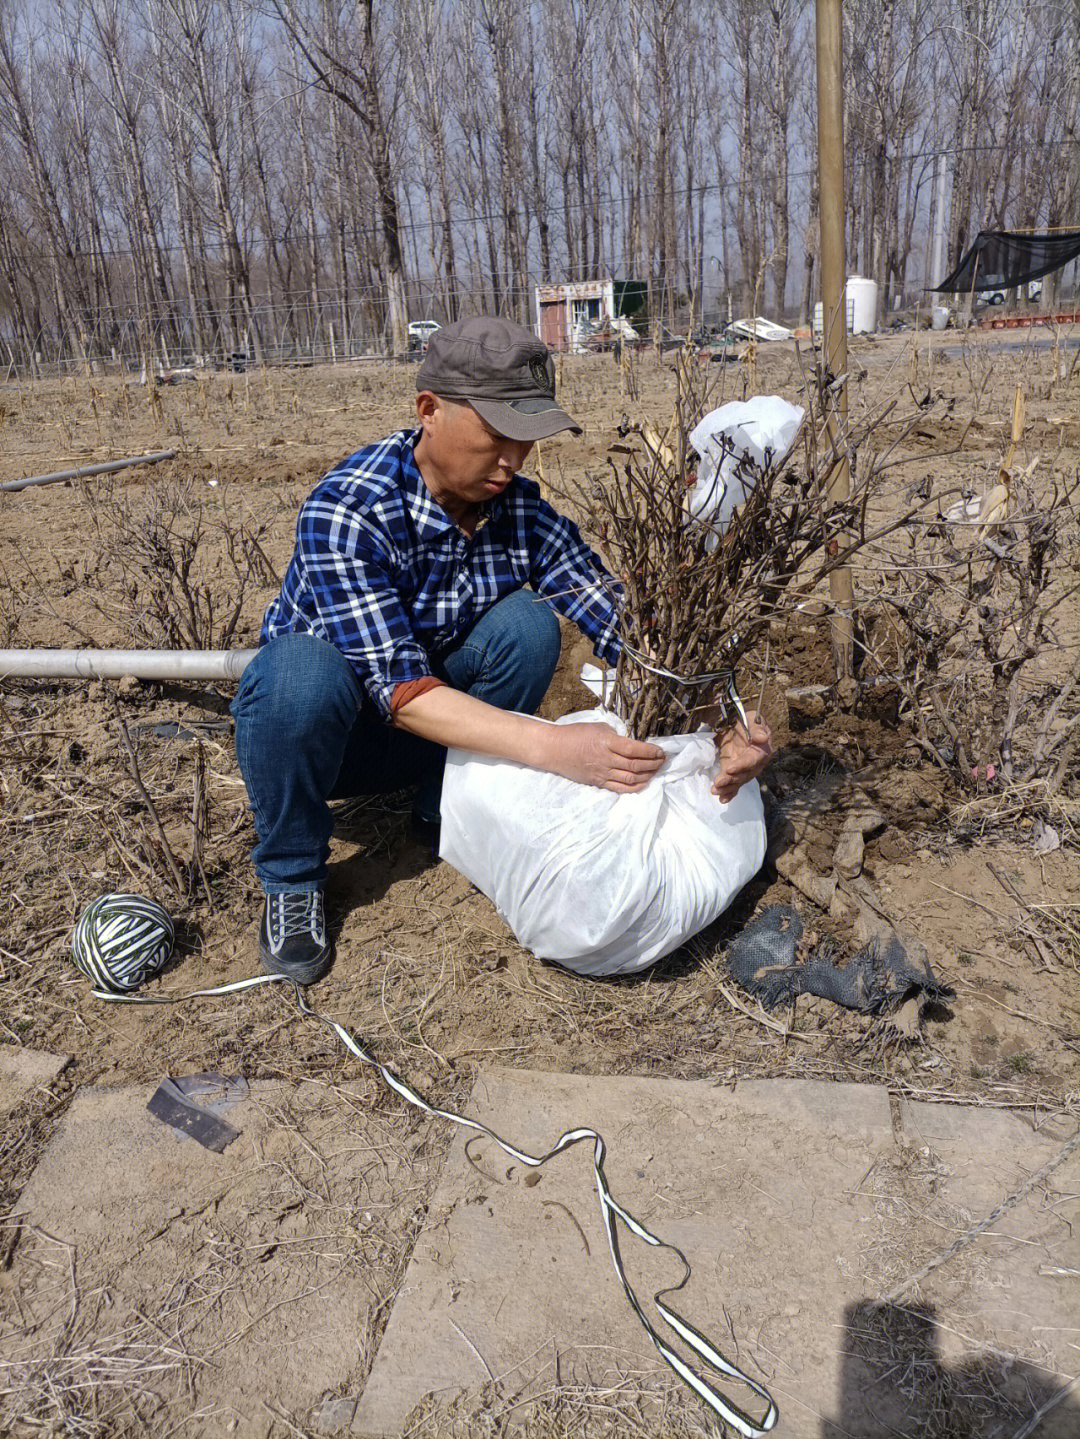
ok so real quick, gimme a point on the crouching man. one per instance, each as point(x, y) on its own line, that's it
point(418, 612)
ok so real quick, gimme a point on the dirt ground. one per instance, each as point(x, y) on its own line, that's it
point(425, 970)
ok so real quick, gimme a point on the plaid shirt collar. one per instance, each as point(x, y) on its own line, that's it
point(431, 520)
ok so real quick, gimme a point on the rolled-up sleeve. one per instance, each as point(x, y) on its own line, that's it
point(351, 578)
point(573, 580)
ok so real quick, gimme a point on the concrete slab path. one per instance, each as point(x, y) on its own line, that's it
point(22, 1071)
point(247, 1282)
point(799, 1205)
point(231, 1287)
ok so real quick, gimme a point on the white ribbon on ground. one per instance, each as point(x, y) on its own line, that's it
point(610, 1212)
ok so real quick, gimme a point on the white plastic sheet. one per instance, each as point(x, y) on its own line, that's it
point(603, 883)
point(732, 442)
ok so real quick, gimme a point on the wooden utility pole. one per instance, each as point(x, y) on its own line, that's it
point(830, 100)
point(938, 249)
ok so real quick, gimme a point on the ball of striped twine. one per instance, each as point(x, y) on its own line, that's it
point(121, 940)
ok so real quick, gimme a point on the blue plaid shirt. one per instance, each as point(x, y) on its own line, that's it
point(382, 572)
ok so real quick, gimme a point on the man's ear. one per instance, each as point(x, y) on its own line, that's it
point(427, 406)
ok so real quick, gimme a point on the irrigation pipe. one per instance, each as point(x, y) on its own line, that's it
point(87, 470)
point(116, 664)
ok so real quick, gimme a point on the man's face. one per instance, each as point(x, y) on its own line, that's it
point(474, 463)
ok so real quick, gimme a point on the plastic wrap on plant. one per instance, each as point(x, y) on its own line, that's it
point(735, 444)
point(603, 883)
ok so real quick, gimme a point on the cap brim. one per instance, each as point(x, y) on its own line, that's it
point(525, 419)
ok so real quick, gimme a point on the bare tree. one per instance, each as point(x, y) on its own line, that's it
point(501, 20)
point(339, 45)
point(19, 117)
point(122, 87)
point(425, 22)
point(746, 207)
point(209, 173)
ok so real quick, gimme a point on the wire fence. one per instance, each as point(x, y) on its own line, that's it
point(296, 329)
point(222, 337)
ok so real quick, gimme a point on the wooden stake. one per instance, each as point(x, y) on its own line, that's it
point(830, 98)
point(1019, 414)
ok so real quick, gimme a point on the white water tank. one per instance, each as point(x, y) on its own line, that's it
point(862, 300)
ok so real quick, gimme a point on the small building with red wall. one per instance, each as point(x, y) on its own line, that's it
point(566, 312)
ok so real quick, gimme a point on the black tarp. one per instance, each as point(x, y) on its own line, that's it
point(1003, 259)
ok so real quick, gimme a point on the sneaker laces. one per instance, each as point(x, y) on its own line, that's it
point(297, 914)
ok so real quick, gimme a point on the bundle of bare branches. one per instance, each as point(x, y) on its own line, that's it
point(695, 600)
point(978, 605)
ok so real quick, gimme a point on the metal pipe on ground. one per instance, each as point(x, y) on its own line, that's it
point(118, 664)
point(85, 472)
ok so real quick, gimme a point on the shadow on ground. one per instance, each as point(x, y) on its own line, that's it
point(895, 1380)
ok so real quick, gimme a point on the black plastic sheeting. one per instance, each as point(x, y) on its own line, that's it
point(877, 980)
point(1003, 259)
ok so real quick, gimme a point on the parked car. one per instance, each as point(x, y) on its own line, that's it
point(998, 297)
point(421, 331)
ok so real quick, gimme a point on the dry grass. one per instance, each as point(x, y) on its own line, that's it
point(985, 1392)
point(623, 1407)
point(108, 1338)
point(128, 810)
point(89, 1380)
point(1014, 805)
point(425, 971)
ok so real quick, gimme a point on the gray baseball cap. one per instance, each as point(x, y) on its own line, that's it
point(502, 370)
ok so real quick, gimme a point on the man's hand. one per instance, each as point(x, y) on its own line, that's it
point(742, 756)
point(588, 753)
point(596, 754)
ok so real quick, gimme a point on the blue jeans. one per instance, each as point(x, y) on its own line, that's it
point(307, 733)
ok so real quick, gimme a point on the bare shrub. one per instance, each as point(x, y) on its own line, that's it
point(185, 565)
point(965, 585)
point(696, 602)
point(976, 612)
point(11, 605)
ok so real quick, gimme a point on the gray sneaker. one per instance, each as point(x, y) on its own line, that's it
point(292, 938)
